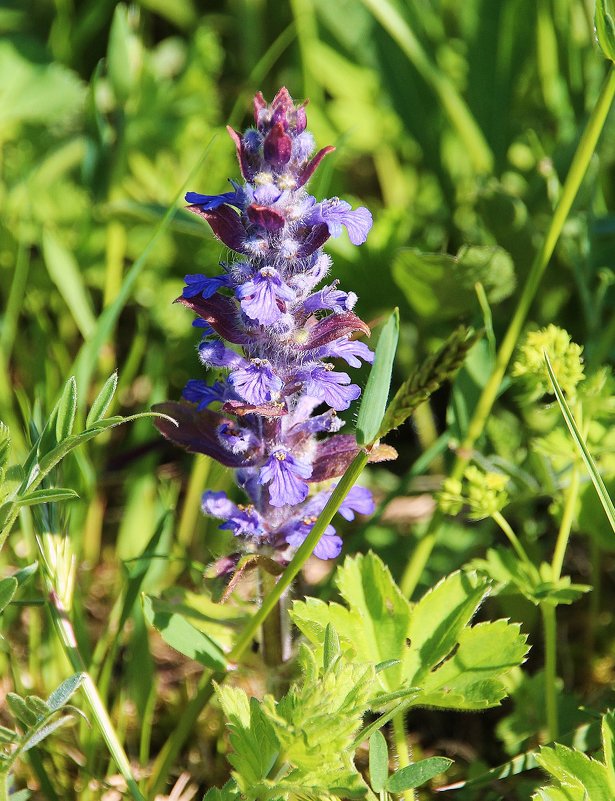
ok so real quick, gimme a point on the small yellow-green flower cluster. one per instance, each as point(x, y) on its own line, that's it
point(483, 493)
point(564, 355)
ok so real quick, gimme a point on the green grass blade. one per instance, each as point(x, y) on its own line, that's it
point(454, 105)
point(376, 392)
point(65, 274)
point(579, 441)
point(87, 358)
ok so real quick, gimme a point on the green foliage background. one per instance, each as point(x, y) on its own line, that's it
point(455, 123)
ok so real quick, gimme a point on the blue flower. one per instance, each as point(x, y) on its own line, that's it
point(259, 297)
point(242, 521)
point(256, 382)
point(359, 500)
point(351, 350)
point(210, 202)
point(330, 298)
point(333, 388)
point(235, 438)
point(197, 391)
point(328, 546)
point(285, 475)
point(214, 353)
point(202, 285)
point(335, 213)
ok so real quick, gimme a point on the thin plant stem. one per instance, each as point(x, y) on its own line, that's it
point(273, 650)
point(550, 642)
point(4, 787)
point(303, 552)
point(566, 525)
point(499, 518)
point(400, 744)
point(67, 637)
point(576, 173)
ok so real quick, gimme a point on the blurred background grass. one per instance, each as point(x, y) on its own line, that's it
point(454, 123)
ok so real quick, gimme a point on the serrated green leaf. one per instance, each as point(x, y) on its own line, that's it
point(177, 632)
point(574, 770)
point(67, 409)
point(332, 648)
point(555, 794)
point(438, 620)
point(255, 745)
point(20, 710)
point(427, 378)
point(46, 496)
point(471, 677)
point(5, 444)
point(378, 761)
point(62, 694)
point(102, 401)
point(376, 391)
point(68, 278)
point(579, 440)
point(380, 615)
point(604, 21)
point(8, 588)
point(419, 773)
point(608, 746)
point(230, 792)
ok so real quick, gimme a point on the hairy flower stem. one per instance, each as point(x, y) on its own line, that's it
point(402, 750)
point(578, 168)
point(550, 641)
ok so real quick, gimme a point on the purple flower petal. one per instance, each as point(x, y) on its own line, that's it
point(348, 349)
point(217, 504)
point(256, 382)
point(359, 500)
point(285, 478)
point(327, 547)
point(259, 296)
point(214, 353)
point(332, 387)
point(330, 298)
point(236, 439)
point(335, 213)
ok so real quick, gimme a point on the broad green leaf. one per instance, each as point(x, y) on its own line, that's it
point(604, 21)
point(378, 761)
point(377, 389)
point(575, 770)
point(417, 774)
point(255, 745)
point(5, 444)
point(579, 441)
point(67, 410)
point(46, 496)
point(380, 614)
point(8, 588)
point(230, 792)
point(440, 285)
point(427, 378)
point(177, 632)
point(471, 677)
point(438, 620)
point(62, 694)
point(102, 401)
point(66, 275)
point(608, 746)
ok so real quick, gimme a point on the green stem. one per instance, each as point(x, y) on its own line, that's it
point(400, 743)
point(4, 787)
point(550, 638)
point(69, 643)
point(301, 556)
point(273, 650)
point(566, 525)
point(578, 168)
point(514, 540)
